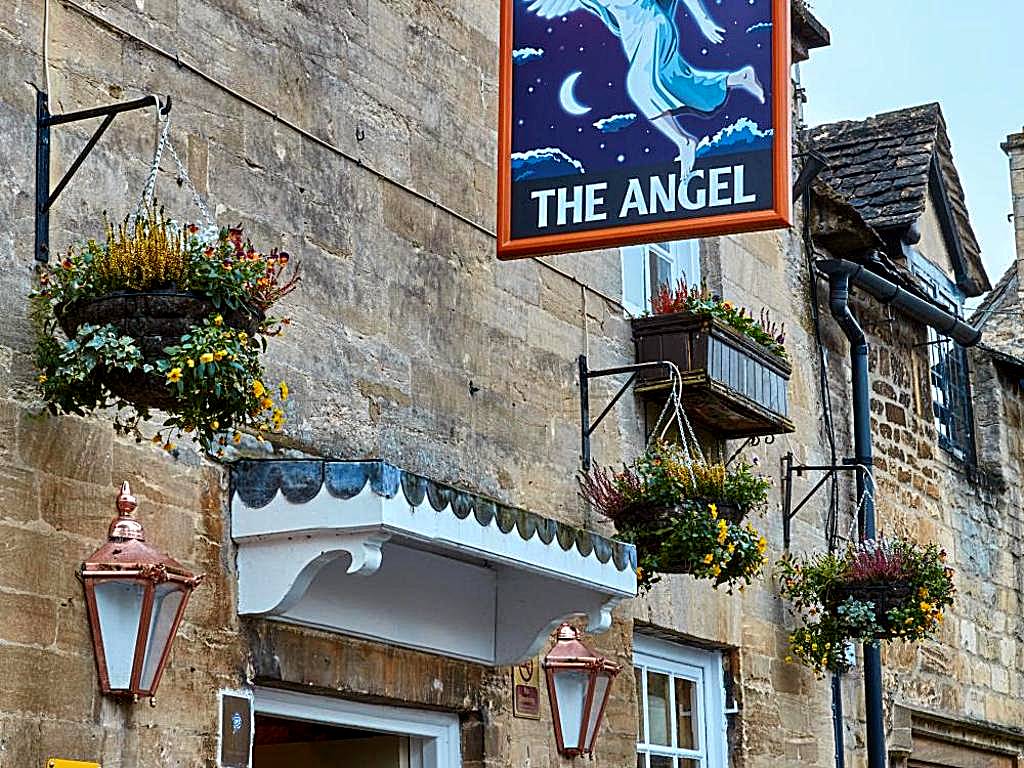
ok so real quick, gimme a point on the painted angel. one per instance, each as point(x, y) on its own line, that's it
point(660, 82)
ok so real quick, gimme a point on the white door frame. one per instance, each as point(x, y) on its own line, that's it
point(436, 735)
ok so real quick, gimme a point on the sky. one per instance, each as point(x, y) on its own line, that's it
point(968, 55)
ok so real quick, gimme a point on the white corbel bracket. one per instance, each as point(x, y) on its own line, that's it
point(448, 572)
point(282, 567)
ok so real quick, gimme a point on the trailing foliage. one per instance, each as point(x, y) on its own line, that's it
point(668, 506)
point(918, 583)
point(213, 374)
point(699, 300)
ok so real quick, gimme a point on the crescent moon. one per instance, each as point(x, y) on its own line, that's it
point(568, 100)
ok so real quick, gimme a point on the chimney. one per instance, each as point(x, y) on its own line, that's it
point(1014, 147)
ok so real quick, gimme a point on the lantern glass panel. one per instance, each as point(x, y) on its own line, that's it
point(600, 690)
point(571, 691)
point(658, 712)
point(119, 611)
point(166, 602)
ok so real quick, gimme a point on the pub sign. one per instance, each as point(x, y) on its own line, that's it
point(628, 121)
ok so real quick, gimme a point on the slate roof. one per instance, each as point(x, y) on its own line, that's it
point(883, 166)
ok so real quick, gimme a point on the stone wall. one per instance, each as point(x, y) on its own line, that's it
point(360, 137)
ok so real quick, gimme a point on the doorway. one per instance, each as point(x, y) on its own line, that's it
point(283, 743)
point(299, 729)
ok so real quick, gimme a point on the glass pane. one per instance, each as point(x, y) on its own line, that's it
point(166, 601)
point(686, 714)
point(688, 261)
point(687, 763)
point(638, 674)
point(571, 690)
point(662, 761)
point(641, 761)
point(600, 689)
point(660, 722)
point(661, 271)
point(634, 291)
point(119, 608)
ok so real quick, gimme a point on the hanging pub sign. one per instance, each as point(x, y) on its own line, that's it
point(628, 121)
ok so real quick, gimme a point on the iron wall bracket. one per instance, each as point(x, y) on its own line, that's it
point(586, 426)
point(789, 469)
point(44, 122)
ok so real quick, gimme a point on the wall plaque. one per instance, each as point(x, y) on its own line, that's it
point(526, 690)
point(235, 730)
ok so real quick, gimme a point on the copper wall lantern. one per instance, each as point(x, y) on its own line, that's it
point(579, 683)
point(136, 597)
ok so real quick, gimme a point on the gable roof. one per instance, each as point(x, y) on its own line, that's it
point(887, 166)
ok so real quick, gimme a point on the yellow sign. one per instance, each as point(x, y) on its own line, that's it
point(59, 762)
point(526, 690)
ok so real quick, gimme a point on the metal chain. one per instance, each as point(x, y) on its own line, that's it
point(149, 189)
point(187, 181)
point(146, 198)
point(687, 437)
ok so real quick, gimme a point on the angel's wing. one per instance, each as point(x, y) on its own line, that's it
point(549, 9)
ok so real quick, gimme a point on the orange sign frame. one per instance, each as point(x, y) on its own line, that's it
point(778, 217)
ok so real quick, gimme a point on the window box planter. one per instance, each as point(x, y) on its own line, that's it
point(155, 320)
point(730, 382)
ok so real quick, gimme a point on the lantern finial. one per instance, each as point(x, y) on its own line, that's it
point(125, 526)
point(568, 632)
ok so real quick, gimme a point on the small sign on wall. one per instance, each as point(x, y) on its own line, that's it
point(236, 730)
point(59, 762)
point(526, 690)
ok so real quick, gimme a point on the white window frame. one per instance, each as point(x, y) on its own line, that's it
point(434, 737)
point(704, 669)
point(683, 255)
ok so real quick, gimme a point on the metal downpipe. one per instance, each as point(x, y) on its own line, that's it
point(839, 304)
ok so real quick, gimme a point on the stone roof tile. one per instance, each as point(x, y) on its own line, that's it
point(883, 166)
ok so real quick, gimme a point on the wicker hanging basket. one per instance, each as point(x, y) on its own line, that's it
point(155, 320)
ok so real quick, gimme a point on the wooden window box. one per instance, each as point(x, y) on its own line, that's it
point(731, 384)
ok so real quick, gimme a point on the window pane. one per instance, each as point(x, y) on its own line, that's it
point(685, 763)
point(686, 714)
point(661, 761)
point(634, 289)
point(661, 271)
point(641, 761)
point(638, 674)
point(660, 722)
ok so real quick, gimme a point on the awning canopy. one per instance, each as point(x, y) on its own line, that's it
point(368, 549)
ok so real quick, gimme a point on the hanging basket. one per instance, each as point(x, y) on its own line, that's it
point(881, 597)
point(680, 539)
point(156, 320)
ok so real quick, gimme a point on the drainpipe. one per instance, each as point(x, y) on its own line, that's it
point(841, 275)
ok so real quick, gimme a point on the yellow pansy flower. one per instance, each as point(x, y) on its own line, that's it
point(284, 390)
point(206, 357)
point(218, 320)
point(174, 375)
point(258, 388)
